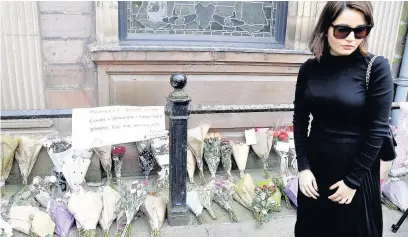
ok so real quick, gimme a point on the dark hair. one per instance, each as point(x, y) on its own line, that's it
point(318, 42)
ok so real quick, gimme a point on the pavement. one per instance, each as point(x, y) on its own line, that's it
point(281, 225)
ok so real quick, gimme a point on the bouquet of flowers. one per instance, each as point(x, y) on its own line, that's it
point(194, 204)
point(5, 229)
point(280, 185)
point(133, 197)
point(195, 140)
point(118, 153)
point(147, 162)
point(212, 154)
point(155, 209)
point(43, 189)
point(191, 164)
point(263, 146)
point(26, 155)
point(223, 191)
point(62, 218)
point(59, 149)
point(206, 197)
point(20, 218)
point(245, 191)
point(281, 146)
point(226, 153)
point(41, 225)
point(240, 151)
point(111, 201)
point(25, 196)
point(264, 201)
point(105, 156)
point(161, 153)
point(75, 168)
point(8, 147)
point(86, 207)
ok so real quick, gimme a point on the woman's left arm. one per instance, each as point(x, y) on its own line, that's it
point(379, 101)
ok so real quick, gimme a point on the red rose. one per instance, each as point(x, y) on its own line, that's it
point(265, 186)
point(118, 150)
point(276, 134)
point(283, 136)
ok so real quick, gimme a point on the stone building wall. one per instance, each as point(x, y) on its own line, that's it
point(67, 28)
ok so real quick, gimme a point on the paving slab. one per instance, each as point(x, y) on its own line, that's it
point(281, 225)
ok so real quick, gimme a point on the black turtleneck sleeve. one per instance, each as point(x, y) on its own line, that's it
point(379, 101)
point(301, 117)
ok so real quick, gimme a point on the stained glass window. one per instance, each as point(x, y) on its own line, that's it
point(221, 18)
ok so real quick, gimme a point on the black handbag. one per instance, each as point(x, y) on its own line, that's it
point(387, 151)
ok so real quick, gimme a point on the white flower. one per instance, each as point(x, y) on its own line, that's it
point(53, 179)
point(36, 180)
point(263, 196)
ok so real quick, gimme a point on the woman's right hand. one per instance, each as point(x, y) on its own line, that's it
point(307, 184)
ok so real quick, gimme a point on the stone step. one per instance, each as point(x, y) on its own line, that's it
point(282, 223)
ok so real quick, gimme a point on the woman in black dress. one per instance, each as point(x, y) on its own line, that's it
point(339, 183)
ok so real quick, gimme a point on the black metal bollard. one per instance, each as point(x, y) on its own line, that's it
point(177, 112)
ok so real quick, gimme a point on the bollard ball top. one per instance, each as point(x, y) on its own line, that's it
point(178, 81)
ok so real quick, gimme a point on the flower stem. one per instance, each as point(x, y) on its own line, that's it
point(155, 233)
point(127, 232)
point(200, 219)
point(88, 233)
point(233, 216)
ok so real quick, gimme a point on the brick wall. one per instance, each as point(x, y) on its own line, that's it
point(67, 28)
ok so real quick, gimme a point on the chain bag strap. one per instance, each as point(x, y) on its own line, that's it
point(387, 151)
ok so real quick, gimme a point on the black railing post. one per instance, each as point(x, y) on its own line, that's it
point(177, 112)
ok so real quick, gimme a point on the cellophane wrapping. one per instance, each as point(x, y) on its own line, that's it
point(111, 201)
point(223, 190)
point(240, 152)
point(195, 141)
point(245, 191)
point(86, 207)
point(26, 155)
point(155, 209)
point(194, 204)
point(8, 147)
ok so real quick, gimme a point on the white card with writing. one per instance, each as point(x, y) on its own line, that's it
point(250, 137)
point(291, 143)
point(282, 146)
point(109, 125)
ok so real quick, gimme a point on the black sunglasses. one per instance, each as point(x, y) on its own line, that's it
point(342, 31)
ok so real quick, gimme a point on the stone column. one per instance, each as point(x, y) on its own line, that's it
point(22, 84)
point(302, 18)
point(383, 39)
point(106, 14)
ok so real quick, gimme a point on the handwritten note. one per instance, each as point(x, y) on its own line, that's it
point(101, 126)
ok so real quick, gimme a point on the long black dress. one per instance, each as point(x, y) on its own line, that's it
point(348, 128)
